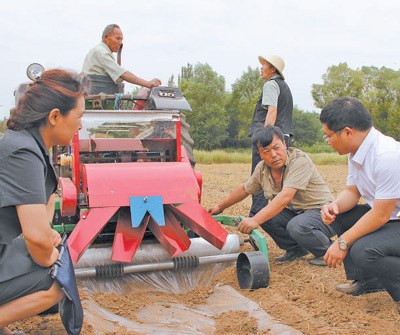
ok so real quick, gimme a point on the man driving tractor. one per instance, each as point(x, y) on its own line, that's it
point(100, 64)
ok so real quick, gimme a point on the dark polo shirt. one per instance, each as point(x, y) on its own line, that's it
point(285, 110)
point(27, 176)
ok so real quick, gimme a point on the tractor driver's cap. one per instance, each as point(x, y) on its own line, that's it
point(276, 61)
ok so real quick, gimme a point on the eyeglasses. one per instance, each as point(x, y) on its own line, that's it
point(327, 137)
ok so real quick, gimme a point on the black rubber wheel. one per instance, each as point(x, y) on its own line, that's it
point(252, 270)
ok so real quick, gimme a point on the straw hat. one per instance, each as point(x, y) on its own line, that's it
point(276, 61)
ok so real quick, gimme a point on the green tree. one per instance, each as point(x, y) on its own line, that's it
point(186, 73)
point(241, 104)
point(171, 81)
point(307, 129)
point(381, 97)
point(378, 89)
point(339, 80)
point(205, 92)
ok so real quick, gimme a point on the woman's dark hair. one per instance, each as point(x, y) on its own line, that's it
point(346, 112)
point(55, 89)
point(265, 136)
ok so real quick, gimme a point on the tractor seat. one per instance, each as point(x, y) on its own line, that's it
point(104, 84)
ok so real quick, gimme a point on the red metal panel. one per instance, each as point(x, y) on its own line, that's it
point(68, 197)
point(85, 145)
point(199, 179)
point(178, 142)
point(195, 217)
point(76, 163)
point(127, 239)
point(87, 229)
point(116, 144)
point(184, 155)
point(112, 184)
point(171, 236)
point(170, 217)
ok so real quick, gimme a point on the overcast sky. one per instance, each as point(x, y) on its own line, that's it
point(162, 35)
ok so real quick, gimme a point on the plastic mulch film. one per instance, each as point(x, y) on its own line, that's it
point(171, 281)
point(164, 318)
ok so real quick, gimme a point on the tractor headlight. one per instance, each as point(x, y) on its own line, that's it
point(34, 71)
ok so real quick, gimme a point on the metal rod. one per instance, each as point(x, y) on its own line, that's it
point(167, 265)
point(112, 96)
point(218, 259)
point(152, 252)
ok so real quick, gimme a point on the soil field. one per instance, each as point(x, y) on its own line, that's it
point(299, 295)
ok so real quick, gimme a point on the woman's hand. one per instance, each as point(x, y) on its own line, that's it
point(40, 239)
point(56, 238)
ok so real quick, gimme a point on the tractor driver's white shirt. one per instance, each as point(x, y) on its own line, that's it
point(100, 61)
point(375, 169)
point(271, 92)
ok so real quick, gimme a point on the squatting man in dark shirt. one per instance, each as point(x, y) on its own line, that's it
point(296, 194)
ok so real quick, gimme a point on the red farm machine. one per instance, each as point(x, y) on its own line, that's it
point(127, 183)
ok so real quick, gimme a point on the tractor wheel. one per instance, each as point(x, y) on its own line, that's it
point(187, 140)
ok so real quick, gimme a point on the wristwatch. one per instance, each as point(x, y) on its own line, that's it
point(343, 244)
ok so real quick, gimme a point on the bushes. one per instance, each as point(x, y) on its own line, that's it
point(244, 156)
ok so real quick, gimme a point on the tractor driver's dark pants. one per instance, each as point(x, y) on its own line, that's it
point(258, 201)
point(376, 254)
point(306, 230)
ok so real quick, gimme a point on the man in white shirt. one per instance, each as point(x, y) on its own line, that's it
point(369, 234)
point(100, 60)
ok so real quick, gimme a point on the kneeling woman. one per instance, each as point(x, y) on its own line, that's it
point(49, 114)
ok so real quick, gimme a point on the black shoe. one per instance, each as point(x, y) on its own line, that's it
point(359, 287)
point(293, 254)
point(52, 310)
point(317, 261)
